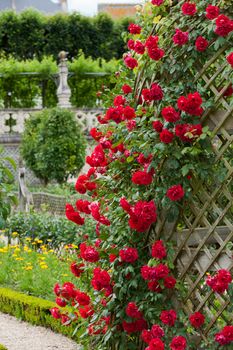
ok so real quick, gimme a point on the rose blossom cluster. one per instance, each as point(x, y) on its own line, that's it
point(225, 337)
point(142, 214)
point(219, 283)
point(158, 276)
point(68, 294)
point(153, 337)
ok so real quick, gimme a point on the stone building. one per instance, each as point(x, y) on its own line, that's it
point(46, 6)
point(118, 10)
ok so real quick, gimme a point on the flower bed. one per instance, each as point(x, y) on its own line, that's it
point(25, 269)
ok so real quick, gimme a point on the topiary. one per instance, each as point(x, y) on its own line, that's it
point(53, 146)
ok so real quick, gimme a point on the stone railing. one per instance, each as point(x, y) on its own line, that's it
point(12, 120)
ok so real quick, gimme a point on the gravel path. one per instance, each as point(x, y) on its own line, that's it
point(17, 335)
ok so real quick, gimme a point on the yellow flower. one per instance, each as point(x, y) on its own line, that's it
point(65, 275)
point(51, 251)
point(14, 234)
point(44, 266)
point(27, 268)
point(19, 259)
point(49, 240)
point(28, 239)
point(41, 257)
point(17, 250)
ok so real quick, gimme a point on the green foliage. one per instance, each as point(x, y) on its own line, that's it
point(33, 310)
point(7, 198)
point(53, 146)
point(22, 83)
point(2, 347)
point(89, 76)
point(32, 34)
point(43, 226)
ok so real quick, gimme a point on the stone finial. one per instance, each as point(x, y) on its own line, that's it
point(63, 91)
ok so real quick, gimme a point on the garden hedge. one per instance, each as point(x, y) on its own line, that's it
point(32, 34)
point(2, 347)
point(32, 310)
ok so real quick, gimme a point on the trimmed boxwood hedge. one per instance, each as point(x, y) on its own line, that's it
point(35, 311)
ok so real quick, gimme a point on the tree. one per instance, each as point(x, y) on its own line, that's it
point(53, 146)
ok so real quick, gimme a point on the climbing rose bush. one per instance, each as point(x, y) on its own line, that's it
point(151, 143)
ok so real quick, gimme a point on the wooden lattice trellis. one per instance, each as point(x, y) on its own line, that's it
point(205, 245)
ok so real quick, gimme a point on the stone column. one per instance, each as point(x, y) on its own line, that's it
point(63, 91)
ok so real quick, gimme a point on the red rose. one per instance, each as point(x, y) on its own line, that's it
point(119, 101)
point(130, 62)
point(160, 271)
point(55, 312)
point(61, 302)
point(85, 311)
point(189, 9)
point(77, 269)
point(101, 279)
point(129, 255)
point(68, 291)
point(73, 215)
point(156, 344)
point(82, 298)
point(180, 38)
point(154, 286)
point(57, 289)
point(139, 47)
point(126, 89)
point(132, 311)
point(178, 343)
point(129, 113)
point(95, 134)
point(175, 193)
point(155, 53)
point(142, 178)
point(83, 206)
point(169, 282)
point(225, 336)
point(134, 28)
point(146, 336)
point(131, 44)
point(152, 42)
point(158, 251)
point(125, 205)
point(142, 215)
point(224, 25)
point(131, 124)
point(90, 254)
point(157, 125)
point(166, 136)
point(168, 317)
point(97, 158)
point(170, 114)
point(157, 2)
point(201, 44)
point(212, 12)
point(230, 59)
point(157, 331)
point(197, 319)
point(156, 93)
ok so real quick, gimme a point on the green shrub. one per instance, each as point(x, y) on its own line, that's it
point(2, 347)
point(53, 146)
point(33, 310)
point(44, 226)
point(7, 198)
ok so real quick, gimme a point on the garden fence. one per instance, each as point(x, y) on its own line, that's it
point(205, 243)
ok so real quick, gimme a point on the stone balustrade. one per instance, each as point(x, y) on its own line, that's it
point(12, 120)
